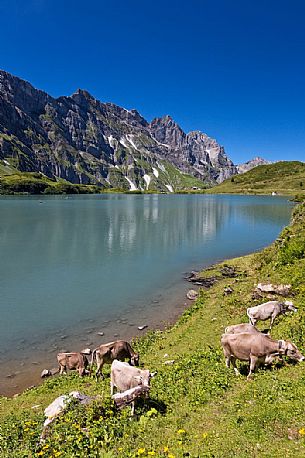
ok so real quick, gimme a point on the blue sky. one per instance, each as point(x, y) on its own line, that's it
point(233, 69)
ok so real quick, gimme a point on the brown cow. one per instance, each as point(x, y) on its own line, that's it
point(239, 328)
point(106, 353)
point(257, 349)
point(72, 360)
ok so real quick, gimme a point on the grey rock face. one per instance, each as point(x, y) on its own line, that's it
point(193, 153)
point(82, 140)
point(243, 168)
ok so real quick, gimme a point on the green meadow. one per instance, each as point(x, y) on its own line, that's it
point(287, 178)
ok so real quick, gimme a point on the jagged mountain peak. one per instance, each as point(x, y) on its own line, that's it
point(197, 135)
point(82, 93)
point(242, 168)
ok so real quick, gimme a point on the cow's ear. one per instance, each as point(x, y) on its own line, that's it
point(152, 374)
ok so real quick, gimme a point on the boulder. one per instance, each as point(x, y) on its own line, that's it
point(192, 294)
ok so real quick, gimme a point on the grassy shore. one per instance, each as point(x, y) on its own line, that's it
point(198, 407)
point(286, 178)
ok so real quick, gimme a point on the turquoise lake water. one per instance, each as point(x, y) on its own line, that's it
point(74, 266)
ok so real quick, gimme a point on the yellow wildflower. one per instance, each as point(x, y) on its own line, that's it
point(120, 449)
point(165, 449)
point(170, 456)
point(302, 431)
point(181, 431)
point(40, 453)
point(204, 435)
point(151, 453)
point(141, 451)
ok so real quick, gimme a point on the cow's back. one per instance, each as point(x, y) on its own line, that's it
point(72, 360)
point(121, 350)
point(241, 328)
point(265, 310)
point(124, 376)
point(243, 345)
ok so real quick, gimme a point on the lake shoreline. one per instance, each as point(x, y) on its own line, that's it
point(19, 381)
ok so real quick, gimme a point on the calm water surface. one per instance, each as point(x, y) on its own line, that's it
point(71, 267)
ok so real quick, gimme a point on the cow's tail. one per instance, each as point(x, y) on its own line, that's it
point(92, 359)
point(250, 316)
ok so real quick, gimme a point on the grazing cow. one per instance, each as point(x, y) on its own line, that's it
point(73, 360)
point(106, 353)
point(239, 328)
point(124, 377)
point(257, 349)
point(269, 310)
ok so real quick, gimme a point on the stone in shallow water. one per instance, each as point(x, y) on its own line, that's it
point(45, 373)
point(192, 294)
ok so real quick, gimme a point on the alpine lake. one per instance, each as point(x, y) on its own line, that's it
point(78, 271)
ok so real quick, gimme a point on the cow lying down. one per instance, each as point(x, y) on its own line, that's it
point(256, 348)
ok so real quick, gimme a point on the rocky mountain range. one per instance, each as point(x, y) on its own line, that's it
point(82, 140)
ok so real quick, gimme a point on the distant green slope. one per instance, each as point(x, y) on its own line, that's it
point(286, 178)
point(170, 179)
point(36, 183)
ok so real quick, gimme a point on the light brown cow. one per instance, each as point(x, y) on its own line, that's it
point(257, 349)
point(124, 377)
point(106, 353)
point(269, 310)
point(72, 360)
point(239, 328)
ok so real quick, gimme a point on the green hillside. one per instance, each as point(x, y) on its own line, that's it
point(197, 407)
point(287, 178)
point(12, 181)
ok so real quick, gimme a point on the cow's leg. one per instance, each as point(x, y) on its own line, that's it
point(233, 361)
point(99, 368)
point(63, 369)
point(253, 361)
point(132, 408)
point(272, 318)
point(112, 385)
point(228, 359)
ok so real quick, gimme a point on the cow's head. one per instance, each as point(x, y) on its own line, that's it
point(292, 351)
point(144, 380)
point(135, 359)
point(289, 307)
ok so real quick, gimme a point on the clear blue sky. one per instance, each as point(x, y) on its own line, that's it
point(234, 69)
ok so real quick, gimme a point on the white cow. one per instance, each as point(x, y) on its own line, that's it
point(269, 310)
point(124, 377)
